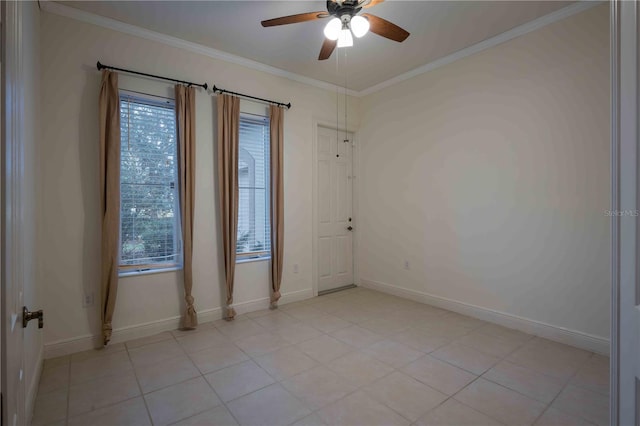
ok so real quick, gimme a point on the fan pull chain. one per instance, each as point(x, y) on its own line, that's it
point(337, 108)
point(346, 72)
point(128, 123)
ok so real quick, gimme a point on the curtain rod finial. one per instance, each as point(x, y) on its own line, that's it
point(288, 105)
point(99, 65)
point(206, 86)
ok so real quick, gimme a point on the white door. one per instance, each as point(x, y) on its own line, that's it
point(625, 348)
point(334, 209)
point(13, 377)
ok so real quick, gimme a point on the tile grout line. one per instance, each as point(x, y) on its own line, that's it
point(126, 348)
point(460, 402)
point(276, 381)
point(104, 406)
point(250, 358)
point(279, 381)
point(222, 401)
point(564, 387)
point(361, 388)
point(201, 374)
point(391, 408)
point(135, 374)
point(518, 392)
point(520, 345)
point(482, 376)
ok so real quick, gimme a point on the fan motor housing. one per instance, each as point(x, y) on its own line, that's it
point(347, 7)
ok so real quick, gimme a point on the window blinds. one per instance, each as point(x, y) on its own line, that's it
point(150, 230)
point(254, 233)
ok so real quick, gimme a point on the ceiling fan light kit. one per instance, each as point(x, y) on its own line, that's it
point(345, 22)
point(341, 29)
point(359, 26)
point(332, 29)
point(345, 39)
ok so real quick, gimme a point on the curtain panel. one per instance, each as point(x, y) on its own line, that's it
point(109, 127)
point(276, 126)
point(228, 140)
point(186, 129)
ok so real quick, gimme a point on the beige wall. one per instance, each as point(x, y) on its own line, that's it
point(491, 177)
point(69, 217)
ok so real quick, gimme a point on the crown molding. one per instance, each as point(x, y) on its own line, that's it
point(91, 18)
point(525, 28)
point(112, 24)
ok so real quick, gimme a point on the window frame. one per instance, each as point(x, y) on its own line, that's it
point(253, 256)
point(152, 268)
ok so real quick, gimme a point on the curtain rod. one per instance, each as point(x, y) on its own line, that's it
point(280, 104)
point(100, 67)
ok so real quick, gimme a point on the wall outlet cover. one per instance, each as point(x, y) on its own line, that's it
point(88, 300)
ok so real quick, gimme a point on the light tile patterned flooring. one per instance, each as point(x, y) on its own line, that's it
point(356, 357)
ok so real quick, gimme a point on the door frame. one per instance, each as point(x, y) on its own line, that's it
point(355, 151)
point(615, 225)
point(12, 178)
point(625, 195)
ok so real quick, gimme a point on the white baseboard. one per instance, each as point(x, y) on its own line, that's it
point(265, 302)
point(32, 391)
point(559, 334)
point(123, 334)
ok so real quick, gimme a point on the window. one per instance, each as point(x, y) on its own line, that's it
point(150, 232)
point(254, 233)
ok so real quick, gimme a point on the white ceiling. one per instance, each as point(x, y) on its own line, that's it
point(438, 28)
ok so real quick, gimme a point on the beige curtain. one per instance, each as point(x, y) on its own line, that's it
point(109, 116)
point(276, 123)
point(228, 134)
point(186, 122)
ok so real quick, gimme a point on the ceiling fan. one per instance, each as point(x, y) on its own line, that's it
point(346, 20)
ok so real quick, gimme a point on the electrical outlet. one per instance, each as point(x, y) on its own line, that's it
point(296, 268)
point(406, 265)
point(88, 300)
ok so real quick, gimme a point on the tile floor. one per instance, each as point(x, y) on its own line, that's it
point(356, 357)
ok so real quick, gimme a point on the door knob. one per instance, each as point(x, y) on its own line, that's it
point(28, 316)
point(349, 228)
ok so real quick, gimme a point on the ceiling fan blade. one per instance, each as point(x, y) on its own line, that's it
point(294, 19)
point(327, 49)
point(384, 28)
point(372, 3)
